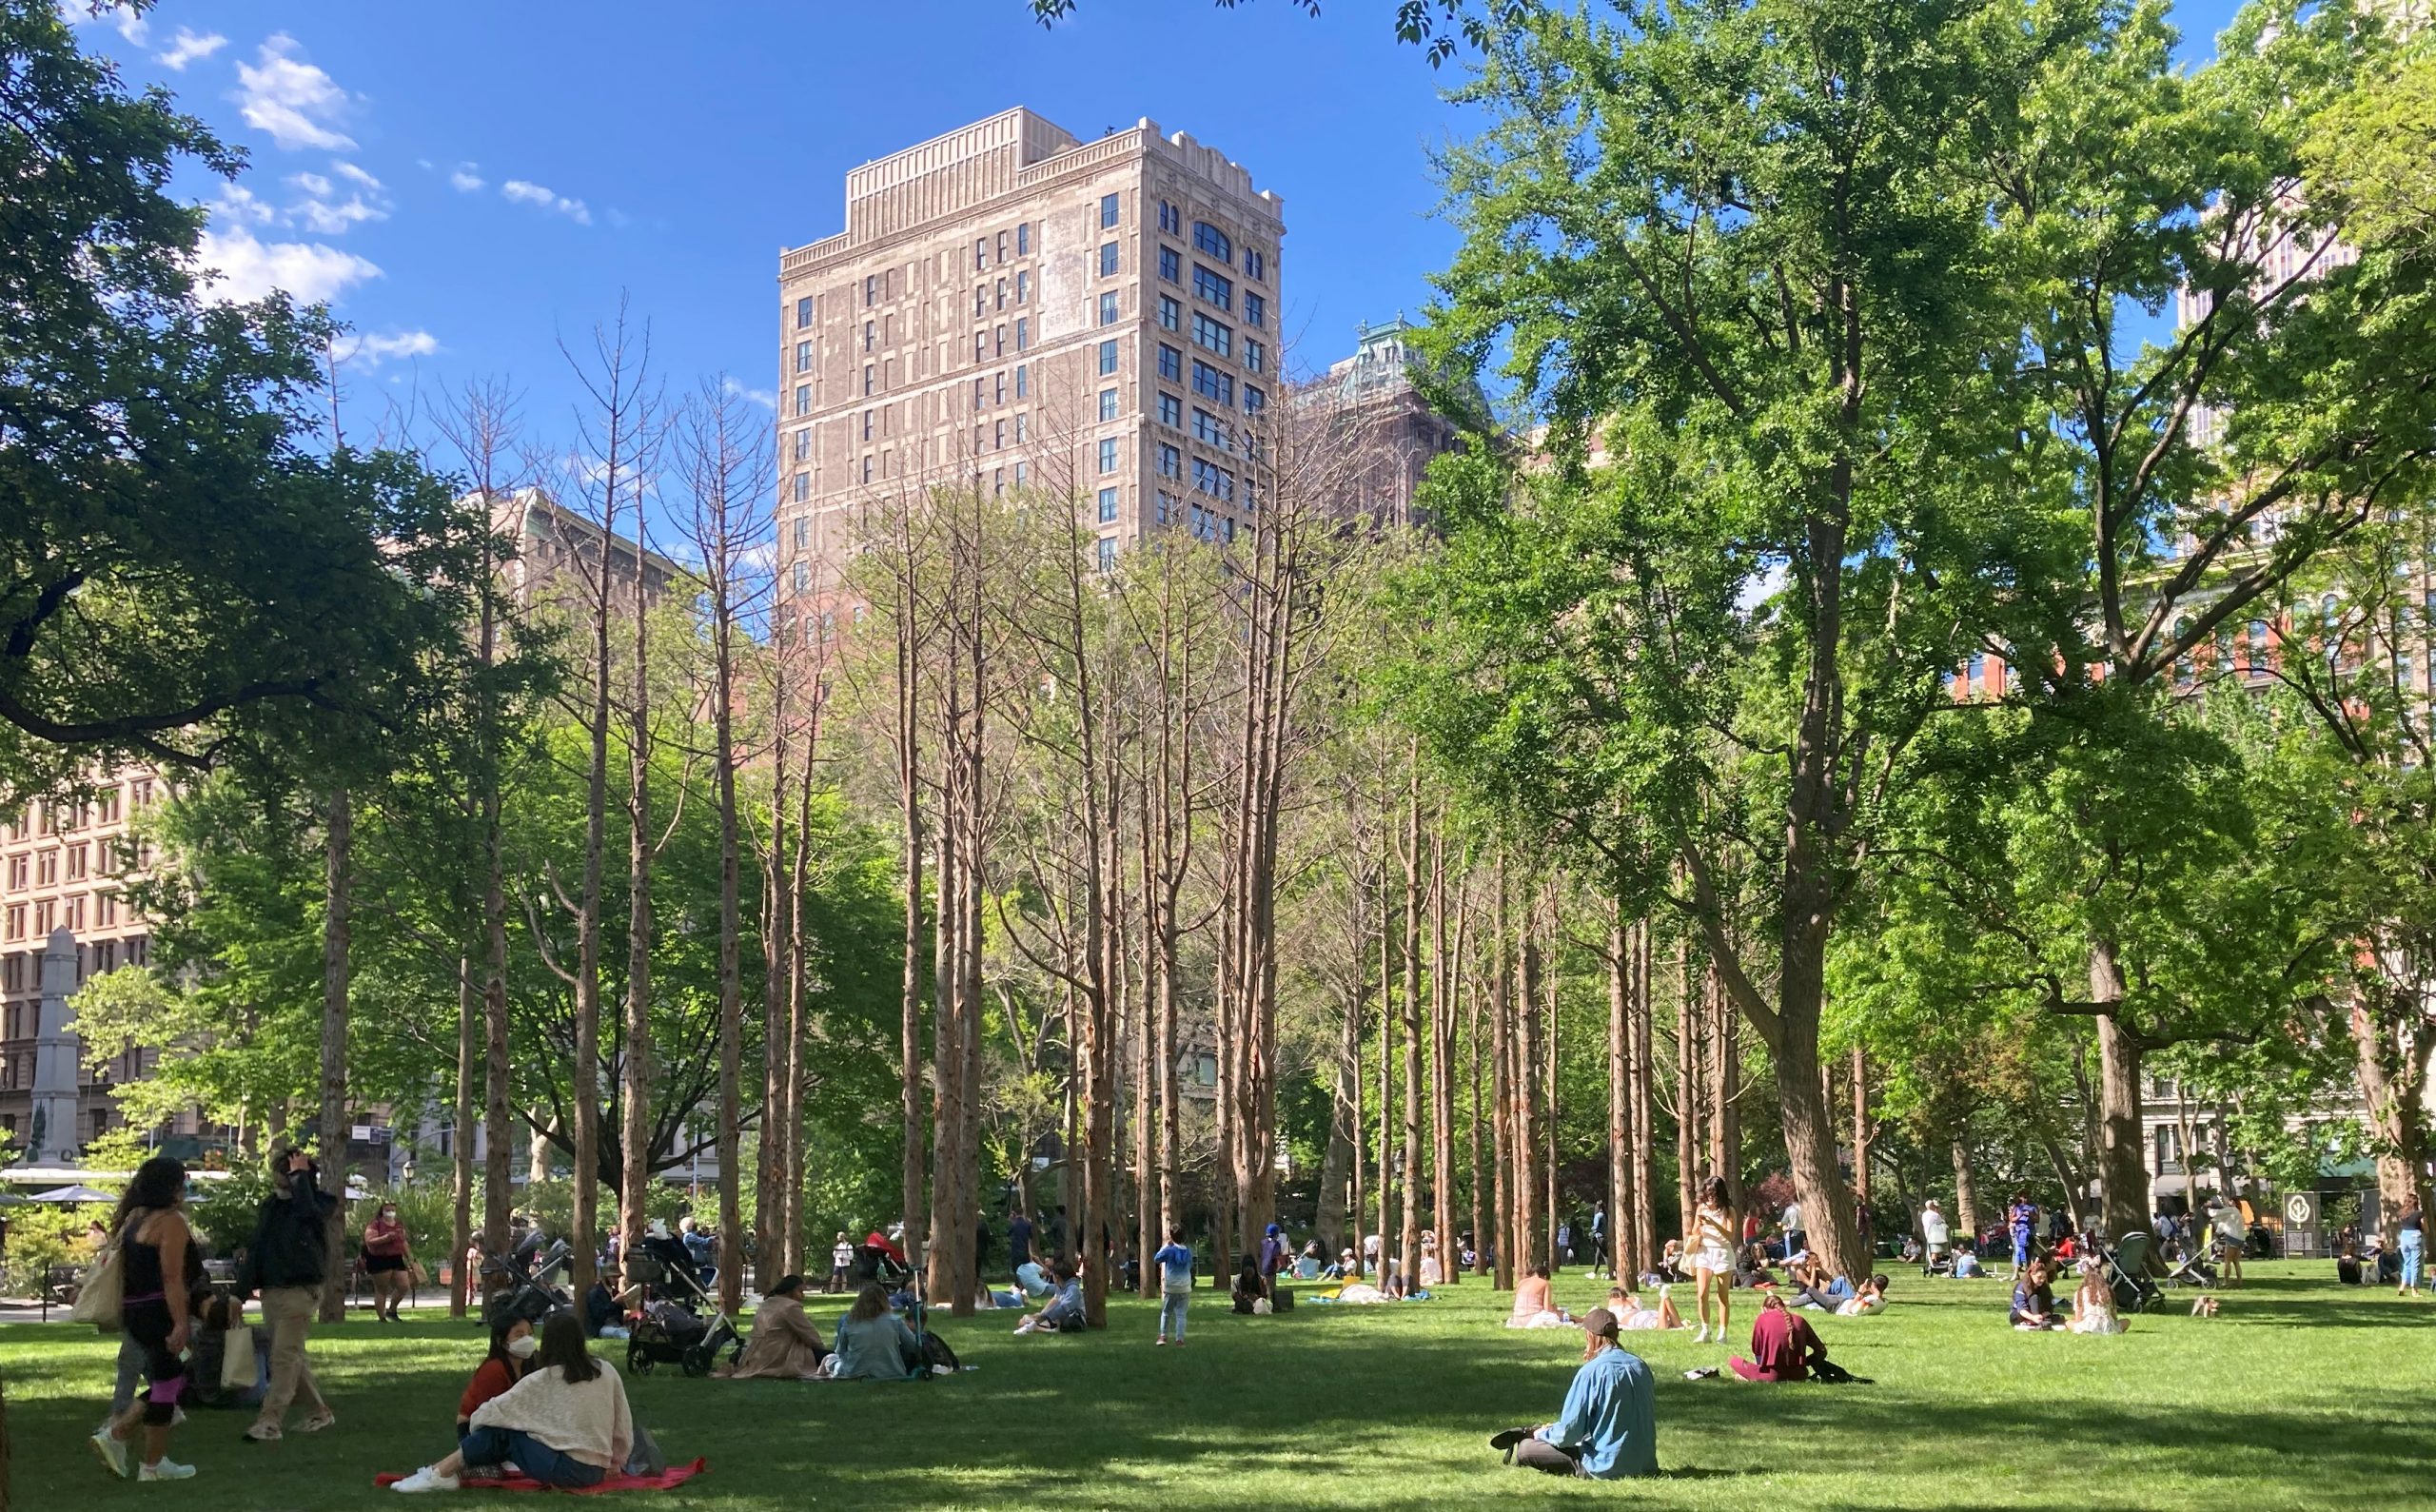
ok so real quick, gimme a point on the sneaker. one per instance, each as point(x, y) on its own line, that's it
point(263, 1433)
point(165, 1471)
point(113, 1454)
point(318, 1422)
point(427, 1478)
point(1160, 1342)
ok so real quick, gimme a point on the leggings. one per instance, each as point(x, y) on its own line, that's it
point(1171, 1306)
point(148, 1324)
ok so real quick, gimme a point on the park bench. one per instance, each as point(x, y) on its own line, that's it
point(59, 1285)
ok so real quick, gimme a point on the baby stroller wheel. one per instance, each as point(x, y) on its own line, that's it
point(638, 1360)
point(696, 1362)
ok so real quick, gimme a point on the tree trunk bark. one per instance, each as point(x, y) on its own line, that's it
point(1408, 1232)
point(1529, 1133)
point(1500, 1013)
point(1966, 1192)
point(2123, 1170)
point(1621, 1135)
point(460, 1142)
point(337, 937)
point(2393, 1073)
point(1642, 1253)
point(1442, 1068)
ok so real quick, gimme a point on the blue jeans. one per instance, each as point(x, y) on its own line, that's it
point(536, 1460)
point(2413, 1244)
point(1171, 1304)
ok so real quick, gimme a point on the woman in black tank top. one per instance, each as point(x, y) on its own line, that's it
point(160, 1270)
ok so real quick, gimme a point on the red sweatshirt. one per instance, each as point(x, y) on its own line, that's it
point(1783, 1345)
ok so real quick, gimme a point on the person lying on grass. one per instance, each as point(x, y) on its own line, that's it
point(1783, 1348)
point(566, 1423)
point(1608, 1427)
point(1631, 1315)
point(785, 1345)
point(2034, 1302)
point(1868, 1303)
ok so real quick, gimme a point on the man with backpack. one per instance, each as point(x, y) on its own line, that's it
point(289, 1262)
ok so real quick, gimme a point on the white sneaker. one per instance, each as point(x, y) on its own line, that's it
point(113, 1454)
point(165, 1471)
point(426, 1478)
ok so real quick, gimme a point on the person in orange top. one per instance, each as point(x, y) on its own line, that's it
point(511, 1356)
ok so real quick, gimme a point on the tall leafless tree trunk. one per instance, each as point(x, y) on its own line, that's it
point(337, 937)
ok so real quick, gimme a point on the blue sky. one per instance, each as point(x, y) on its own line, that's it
point(470, 183)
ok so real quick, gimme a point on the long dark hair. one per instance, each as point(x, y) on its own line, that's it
point(160, 1184)
point(501, 1326)
point(562, 1345)
point(1715, 1193)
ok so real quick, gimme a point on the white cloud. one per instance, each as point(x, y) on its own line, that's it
point(311, 183)
point(238, 203)
point(348, 171)
point(239, 265)
point(759, 396)
point(371, 350)
point(187, 48)
point(124, 18)
point(331, 217)
point(525, 192)
point(465, 179)
point(294, 101)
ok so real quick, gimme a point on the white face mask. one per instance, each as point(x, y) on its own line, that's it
point(523, 1349)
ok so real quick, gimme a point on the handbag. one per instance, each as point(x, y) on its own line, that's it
point(416, 1274)
point(99, 1296)
point(237, 1358)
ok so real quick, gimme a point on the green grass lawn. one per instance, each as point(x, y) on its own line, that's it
point(2301, 1394)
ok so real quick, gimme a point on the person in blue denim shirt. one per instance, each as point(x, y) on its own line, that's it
point(1608, 1427)
point(1176, 1285)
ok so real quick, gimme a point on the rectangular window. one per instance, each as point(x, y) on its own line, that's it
point(999, 298)
point(1171, 411)
point(803, 313)
point(980, 253)
point(1023, 379)
point(980, 299)
point(1254, 401)
point(1108, 554)
point(867, 424)
point(1108, 260)
point(1023, 286)
point(1108, 403)
point(998, 436)
point(1255, 358)
point(1108, 506)
point(1169, 219)
point(1170, 265)
point(1171, 364)
point(1216, 287)
point(1170, 461)
point(1022, 239)
point(1210, 429)
point(867, 469)
point(1109, 307)
point(871, 332)
point(1023, 333)
point(1108, 211)
point(1023, 470)
point(803, 534)
point(1211, 382)
point(1255, 264)
point(1211, 239)
point(803, 399)
point(803, 577)
point(870, 291)
point(980, 346)
point(1214, 480)
point(981, 393)
point(1023, 429)
point(1002, 247)
point(803, 487)
point(1108, 358)
point(1108, 456)
point(1216, 335)
point(803, 444)
point(998, 388)
point(1171, 312)
point(1255, 309)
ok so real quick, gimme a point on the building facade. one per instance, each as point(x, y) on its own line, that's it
point(1010, 308)
point(1386, 424)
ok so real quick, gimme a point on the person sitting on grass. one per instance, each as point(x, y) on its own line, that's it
point(785, 1345)
point(565, 1423)
point(873, 1342)
point(1608, 1427)
point(1532, 1307)
point(1310, 1264)
point(1966, 1262)
point(2093, 1305)
point(1033, 1280)
point(1812, 1285)
point(1868, 1303)
point(510, 1360)
point(1631, 1317)
point(2034, 1303)
point(1066, 1305)
point(1751, 1266)
point(1345, 1268)
point(1249, 1290)
point(1783, 1347)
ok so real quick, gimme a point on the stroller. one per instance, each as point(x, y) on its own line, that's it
point(667, 1328)
point(2129, 1268)
point(528, 1284)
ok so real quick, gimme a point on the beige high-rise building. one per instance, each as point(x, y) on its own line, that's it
point(1012, 307)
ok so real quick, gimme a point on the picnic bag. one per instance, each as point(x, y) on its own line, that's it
point(237, 1358)
point(936, 1355)
point(98, 1297)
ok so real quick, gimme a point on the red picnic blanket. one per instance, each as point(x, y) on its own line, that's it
point(676, 1475)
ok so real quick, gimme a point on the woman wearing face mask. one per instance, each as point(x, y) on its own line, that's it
point(386, 1255)
point(511, 1356)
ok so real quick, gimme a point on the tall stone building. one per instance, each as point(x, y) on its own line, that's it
point(1012, 307)
point(1384, 423)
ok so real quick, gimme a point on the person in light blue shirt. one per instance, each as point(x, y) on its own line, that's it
point(1176, 1285)
point(1608, 1429)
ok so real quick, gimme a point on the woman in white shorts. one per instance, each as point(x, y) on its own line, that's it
point(1709, 1254)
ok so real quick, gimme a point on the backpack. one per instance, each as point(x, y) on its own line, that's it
point(1071, 1323)
point(99, 1295)
point(936, 1355)
point(1835, 1375)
